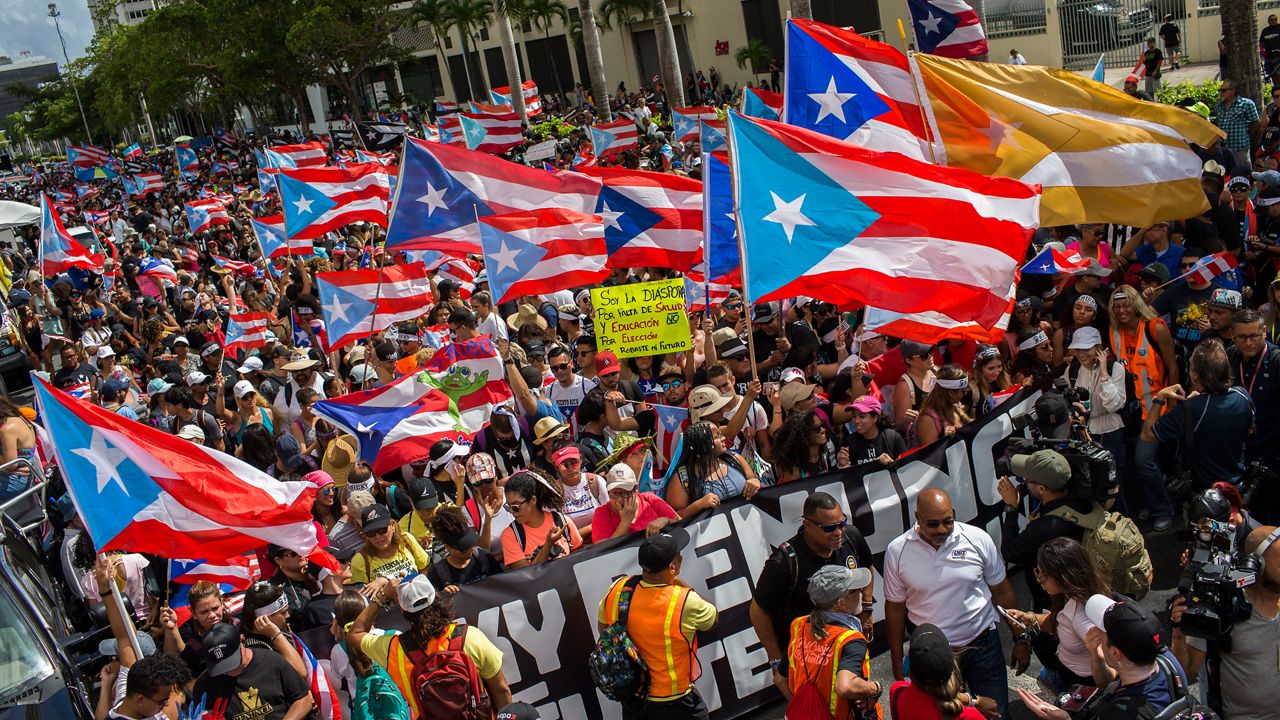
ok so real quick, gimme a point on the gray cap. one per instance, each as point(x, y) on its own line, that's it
point(833, 582)
point(1045, 467)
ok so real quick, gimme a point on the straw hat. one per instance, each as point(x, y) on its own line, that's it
point(524, 315)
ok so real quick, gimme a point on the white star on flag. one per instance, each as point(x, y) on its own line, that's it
point(105, 459)
point(505, 257)
point(303, 205)
point(337, 310)
point(610, 217)
point(831, 102)
point(930, 24)
point(788, 215)
point(433, 199)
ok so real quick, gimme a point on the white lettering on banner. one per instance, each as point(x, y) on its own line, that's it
point(886, 508)
point(963, 502)
point(698, 569)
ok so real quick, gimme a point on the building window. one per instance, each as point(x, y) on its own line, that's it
point(448, 42)
point(526, 26)
point(573, 15)
point(484, 33)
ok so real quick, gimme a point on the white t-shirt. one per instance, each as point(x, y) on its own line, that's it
point(1072, 627)
point(755, 422)
point(493, 326)
point(117, 697)
point(581, 500)
point(569, 398)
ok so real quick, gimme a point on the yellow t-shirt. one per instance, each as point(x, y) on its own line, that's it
point(408, 558)
point(698, 613)
point(481, 650)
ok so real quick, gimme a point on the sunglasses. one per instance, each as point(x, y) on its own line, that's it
point(480, 483)
point(584, 353)
point(733, 306)
point(831, 527)
point(672, 385)
point(326, 490)
point(376, 533)
point(561, 366)
point(514, 507)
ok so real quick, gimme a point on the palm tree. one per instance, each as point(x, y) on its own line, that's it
point(509, 56)
point(1240, 26)
point(468, 16)
point(595, 61)
point(668, 57)
point(542, 14)
point(756, 53)
point(434, 14)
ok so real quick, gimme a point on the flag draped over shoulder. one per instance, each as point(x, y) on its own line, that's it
point(1099, 154)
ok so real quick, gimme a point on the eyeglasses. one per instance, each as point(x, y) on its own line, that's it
point(672, 385)
point(559, 367)
point(946, 522)
point(584, 353)
point(376, 533)
point(830, 527)
point(1249, 337)
point(514, 507)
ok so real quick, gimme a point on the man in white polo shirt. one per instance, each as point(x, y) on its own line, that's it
point(945, 573)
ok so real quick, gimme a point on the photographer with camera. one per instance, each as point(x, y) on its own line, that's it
point(1045, 475)
point(1248, 670)
point(1098, 385)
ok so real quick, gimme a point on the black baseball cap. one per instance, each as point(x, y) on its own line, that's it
point(518, 711)
point(221, 649)
point(374, 517)
point(658, 552)
point(423, 492)
point(464, 541)
point(1053, 415)
point(1131, 628)
point(930, 655)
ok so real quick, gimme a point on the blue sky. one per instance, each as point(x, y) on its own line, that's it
point(26, 25)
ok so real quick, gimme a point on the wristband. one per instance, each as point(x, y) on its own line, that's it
point(279, 633)
point(973, 701)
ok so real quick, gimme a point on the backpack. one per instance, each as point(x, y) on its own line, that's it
point(1131, 707)
point(808, 703)
point(556, 518)
point(616, 665)
point(1117, 547)
point(376, 697)
point(447, 683)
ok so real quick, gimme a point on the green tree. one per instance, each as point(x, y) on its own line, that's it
point(468, 16)
point(542, 14)
point(757, 54)
point(1240, 28)
point(620, 13)
point(343, 38)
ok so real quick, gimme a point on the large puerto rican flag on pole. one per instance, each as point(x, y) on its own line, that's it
point(841, 84)
point(541, 251)
point(357, 303)
point(443, 188)
point(650, 219)
point(844, 224)
point(269, 230)
point(529, 90)
point(59, 251)
point(139, 490)
point(452, 397)
point(949, 28)
point(321, 200)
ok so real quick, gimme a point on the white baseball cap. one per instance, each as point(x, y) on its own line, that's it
point(416, 593)
point(196, 378)
point(105, 352)
point(251, 364)
point(192, 433)
point(242, 388)
point(620, 477)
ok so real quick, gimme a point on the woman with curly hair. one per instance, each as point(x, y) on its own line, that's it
point(802, 447)
point(464, 561)
point(540, 531)
point(941, 412)
point(708, 472)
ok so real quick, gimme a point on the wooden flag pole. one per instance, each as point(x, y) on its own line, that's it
point(916, 81)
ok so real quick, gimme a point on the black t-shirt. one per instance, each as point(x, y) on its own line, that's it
point(783, 587)
point(69, 376)
point(804, 348)
point(1151, 58)
point(1171, 35)
point(1269, 39)
point(1260, 378)
point(263, 691)
point(864, 452)
point(482, 565)
point(1177, 303)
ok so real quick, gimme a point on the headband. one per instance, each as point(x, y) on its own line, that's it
point(1024, 302)
point(458, 450)
point(1038, 339)
point(985, 355)
point(1088, 300)
point(959, 383)
point(281, 603)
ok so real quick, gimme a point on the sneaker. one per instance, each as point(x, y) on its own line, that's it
point(1144, 514)
point(1163, 524)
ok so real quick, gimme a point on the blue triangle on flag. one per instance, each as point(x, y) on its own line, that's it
point(685, 125)
point(507, 257)
point(430, 201)
point(601, 140)
point(344, 311)
point(932, 25)
point(712, 138)
point(472, 131)
point(820, 84)
point(791, 211)
point(302, 204)
point(624, 218)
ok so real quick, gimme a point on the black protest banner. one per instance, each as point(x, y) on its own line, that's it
point(544, 617)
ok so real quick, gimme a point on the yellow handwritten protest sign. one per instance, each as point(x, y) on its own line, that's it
point(642, 318)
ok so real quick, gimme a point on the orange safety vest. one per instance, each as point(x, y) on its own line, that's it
point(1139, 356)
point(811, 659)
point(400, 667)
point(653, 623)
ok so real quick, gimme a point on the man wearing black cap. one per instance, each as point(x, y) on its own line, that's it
point(239, 683)
point(1147, 677)
point(667, 647)
point(797, 346)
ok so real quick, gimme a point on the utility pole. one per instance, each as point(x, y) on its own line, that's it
point(53, 13)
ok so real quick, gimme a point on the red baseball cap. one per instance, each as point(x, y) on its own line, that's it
point(607, 363)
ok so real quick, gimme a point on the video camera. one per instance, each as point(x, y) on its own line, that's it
point(1214, 580)
point(1093, 468)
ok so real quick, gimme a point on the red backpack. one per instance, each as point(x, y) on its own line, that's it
point(447, 682)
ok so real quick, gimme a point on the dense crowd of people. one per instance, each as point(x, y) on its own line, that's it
point(1175, 376)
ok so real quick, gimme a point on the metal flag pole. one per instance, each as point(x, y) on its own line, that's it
point(742, 244)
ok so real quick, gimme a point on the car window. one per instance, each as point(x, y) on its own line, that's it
point(27, 572)
point(24, 662)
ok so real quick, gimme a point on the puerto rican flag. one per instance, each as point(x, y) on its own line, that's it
point(86, 156)
point(204, 214)
point(153, 268)
point(528, 90)
point(303, 155)
point(615, 137)
point(59, 251)
point(321, 200)
point(327, 703)
point(686, 120)
point(397, 424)
point(445, 108)
point(462, 270)
point(761, 103)
point(239, 266)
point(357, 303)
point(492, 132)
point(933, 327)
point(841, 84)
point(269, 230)
point(374, 157)
point(712, 135)
point(187, 158)
point(451, 131)
point(234, 572)
point(247, 330)
point(1211, 267)
point(541, 251)
point(430, 133)
point(668, 435)
point(949, 28)
point(650, 219)
point(443, 188)
point(141, 184)
point(696, 293)
point(139, 491)
point(1051, 261)
point(133, 151)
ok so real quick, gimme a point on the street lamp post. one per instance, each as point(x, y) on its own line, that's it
point(53, 13)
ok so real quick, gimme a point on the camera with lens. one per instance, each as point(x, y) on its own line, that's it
point(1214, 580)
point(1093, 468)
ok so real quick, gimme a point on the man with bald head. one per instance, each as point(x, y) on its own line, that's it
point(945, 573)
point(1249, 667)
